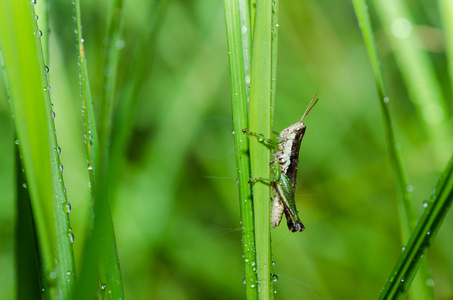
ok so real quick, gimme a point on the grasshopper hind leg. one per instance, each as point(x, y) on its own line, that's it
point(293, 225)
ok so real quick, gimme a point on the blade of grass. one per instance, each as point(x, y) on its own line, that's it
point(274, 54)
point(41, 15)
point(26, 247)
point(422, 237)
point(260, 121)
point(418, 74)
point(446, 13)
point(32, 113)
point(405, 207)
point(235, 30)
point(102, 239)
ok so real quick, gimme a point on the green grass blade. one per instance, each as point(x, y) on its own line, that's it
point(27, 253)
point(87, 104)
point(419, 75)
point(42, 18)
point(405, 207)
point(422, 237)
point(23, 57)
point(407, 217)
point(260, 121)
point(114, 44)
point(100, 258)
point(446, 13)
point(274, 54)
point(235, 32)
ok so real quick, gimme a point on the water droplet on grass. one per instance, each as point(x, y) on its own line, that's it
point(430, 282)
point(275, 278)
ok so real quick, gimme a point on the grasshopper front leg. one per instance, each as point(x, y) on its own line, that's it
point(273, 144)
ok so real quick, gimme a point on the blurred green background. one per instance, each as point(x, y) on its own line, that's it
point(176, 210)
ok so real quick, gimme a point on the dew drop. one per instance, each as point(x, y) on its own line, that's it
point(68, 207)
point(71, 237)
point(430, 282)
point(61, 168)
point(103, 286)
point(425, 203)
point(39, 33)
point(36, 17)
point(275, 278)
point(244, 281)
point(53, 275)
point(33, 2)
point(53, 114)
point(58, 150)
point(90, 168)
point(46, 69)
point(386, 100)
point(428, 232)
point(16, 141)
point(24, 185)
point(252, 285)
point(410, 188)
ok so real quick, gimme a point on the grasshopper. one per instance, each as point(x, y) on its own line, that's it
point(285, 163)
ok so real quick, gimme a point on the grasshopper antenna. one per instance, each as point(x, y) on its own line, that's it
point(310, 106)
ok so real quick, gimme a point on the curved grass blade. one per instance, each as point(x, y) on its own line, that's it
point(419, 75)
point(405, 207)
point(33, 119)
point(27, 253)
point(422, 237)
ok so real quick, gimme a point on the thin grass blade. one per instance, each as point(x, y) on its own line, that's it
point(422, 237)
point(100, 255)
point(405, 207)
point(260, 121)
point(235, 35)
